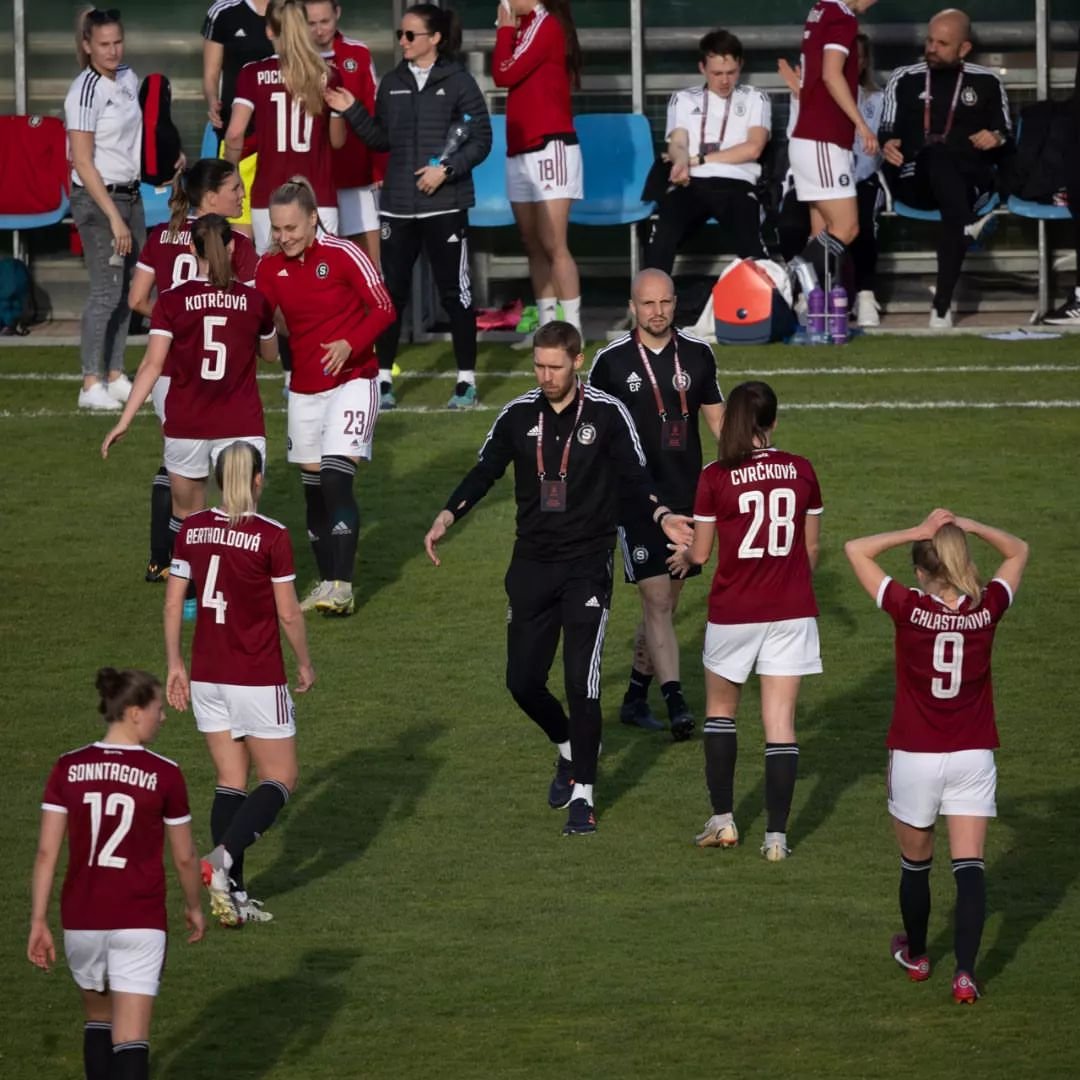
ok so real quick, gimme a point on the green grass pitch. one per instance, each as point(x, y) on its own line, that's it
point(431, 921)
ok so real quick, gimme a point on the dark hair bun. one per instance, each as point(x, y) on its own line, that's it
point(109, 683)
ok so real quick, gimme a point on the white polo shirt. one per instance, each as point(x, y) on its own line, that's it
point(109, 109)
point(727, 122)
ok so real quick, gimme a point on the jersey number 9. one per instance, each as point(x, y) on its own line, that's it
point(949, 661)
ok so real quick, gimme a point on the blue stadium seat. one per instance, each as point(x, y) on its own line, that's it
point(903, 210)
point(155, 204)
point(209, 146)
point(1039, 211)
point(23, 222)
point(617, 153)
point(492, 209)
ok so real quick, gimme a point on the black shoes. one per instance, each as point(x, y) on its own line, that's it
point(682, 725)
point(636, 713)
point(562, 784)
point(581, 821)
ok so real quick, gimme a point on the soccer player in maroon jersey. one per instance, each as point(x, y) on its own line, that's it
point(763, 508)
point(213, 328)
point(294, 131)
point(241, 564)
point(334, 306)
point(943, 735)
point(537, 60)
point(820, 148)
point(358, 171)
point(116, 801)
point(209, 186)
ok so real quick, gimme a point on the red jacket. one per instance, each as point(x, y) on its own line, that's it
point(356, 164)
point(33, 164)
point(531, 63)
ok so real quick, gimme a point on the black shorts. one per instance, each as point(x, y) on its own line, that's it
point(645, 551)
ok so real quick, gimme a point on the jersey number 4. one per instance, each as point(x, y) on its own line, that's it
point(780, 514)
point(293, 124)
point(117, 804)
point(212, 597)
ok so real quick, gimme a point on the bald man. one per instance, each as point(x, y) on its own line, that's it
point(944, 127)
point(666, 379)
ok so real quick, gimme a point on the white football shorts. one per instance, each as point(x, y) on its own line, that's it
point(821, 170)
point(339, 422)
point(195, 458)
point(158, 393)
point(128, 961)
point(921, 786)
point(358, 210)
point(787, 647)
point(263, 712)
point(260, 225)
point(553, 172)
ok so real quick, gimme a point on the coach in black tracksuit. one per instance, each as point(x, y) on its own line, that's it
point(426, 193)
point(574, 450)
point(944, 126)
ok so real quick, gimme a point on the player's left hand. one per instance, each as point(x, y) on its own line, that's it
point(678, 562)
point(40, 949)
point(178, 689)
point(305, 678)
point(337, 353)
point(430, 178)
point(933, 521)
point(196, 923)
point(985, 140)
point(679, 529)
point(112, 438)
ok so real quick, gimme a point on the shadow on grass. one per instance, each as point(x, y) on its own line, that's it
point(1028, 882)
point(344, 806)
point(638, 751)
point(284, 1018)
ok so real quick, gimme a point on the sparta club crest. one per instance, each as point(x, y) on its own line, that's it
point(681, 380)
point(586, 434)
point(322, 270)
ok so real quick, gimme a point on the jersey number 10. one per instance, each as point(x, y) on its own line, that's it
point(293, 124)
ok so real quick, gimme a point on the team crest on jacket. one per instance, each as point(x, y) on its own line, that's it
point(350, 64)
point(34, 121)
point(681, 380)
point(968, 96)
point(633, 382)
point(586, 434)
point(322, 270)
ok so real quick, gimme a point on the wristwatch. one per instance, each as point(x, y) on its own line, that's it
point(701, 159)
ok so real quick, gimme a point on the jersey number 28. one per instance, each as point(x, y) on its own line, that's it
point(780, 514)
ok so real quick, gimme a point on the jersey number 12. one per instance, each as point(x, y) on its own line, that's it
point(117, 804)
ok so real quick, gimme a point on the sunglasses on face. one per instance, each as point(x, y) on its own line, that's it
point(102, 18)
point(411, 35)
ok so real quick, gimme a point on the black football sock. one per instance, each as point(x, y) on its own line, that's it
point(130, 1061)
point(676, 703)
point(257, 814)
point(970, 877)
point(318, 526)
point(781, 768)
point(638, 690)
point(285, 352)
point(161, 536)
point(227, 801)
point(342, 513)
point(97, 1049)
point(915, 902)
point(721, 751)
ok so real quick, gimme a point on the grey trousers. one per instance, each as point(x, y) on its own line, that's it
point(106, 316)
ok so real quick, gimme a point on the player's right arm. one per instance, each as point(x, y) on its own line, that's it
point(142, 286)
point(832, 75)
point(153, 363)
point(213, 60)
point(177, 686)
point(240, 113)
point(510, 65)
point(40, 949)
point(863, 551)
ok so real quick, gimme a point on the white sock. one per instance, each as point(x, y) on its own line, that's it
point(1076, 293)
point(240, 896)
point(564, 750)
point(582, 791)
point(722, 820)
point(571, 310)
point(466, 376)
point(545, 309)
point(776, 838)
point(385, 375)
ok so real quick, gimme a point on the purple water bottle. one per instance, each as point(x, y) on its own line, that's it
point(836, 315)
point(815, 316)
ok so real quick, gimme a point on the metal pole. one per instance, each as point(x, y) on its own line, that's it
point(1042, 91)
point(637, 98)
point(19, 39)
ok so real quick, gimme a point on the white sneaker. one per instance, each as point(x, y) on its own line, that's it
point(867, 309)
point(251, 910)
point(98, 398)
point(319, 592)
point(940, 322)
point(718, 833)
point(119, 389)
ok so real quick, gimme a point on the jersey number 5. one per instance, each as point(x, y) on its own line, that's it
point(781, 518)
point(293, 124)
point(213, 361)
point(117, 803)
point(949, 660)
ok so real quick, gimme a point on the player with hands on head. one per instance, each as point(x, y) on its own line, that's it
point(333, 305)
point(116, 802)
point(761, 507)
point(943, 733)
point(574, 450)
point(241, 564)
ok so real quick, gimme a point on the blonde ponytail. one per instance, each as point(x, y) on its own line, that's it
point(235, 471)
point(303, 70)
point(947, 560)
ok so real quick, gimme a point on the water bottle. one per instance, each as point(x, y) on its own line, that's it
point(836, 315)
point(815, 316)
point(455, 139)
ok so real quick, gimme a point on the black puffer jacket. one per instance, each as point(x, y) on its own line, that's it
point(413, 124)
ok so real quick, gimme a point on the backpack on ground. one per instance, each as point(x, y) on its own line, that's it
point(160, 140)
point(15, 296)
point(1048, 133)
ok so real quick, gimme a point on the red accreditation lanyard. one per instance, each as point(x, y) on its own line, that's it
point(553, 492)
point(928, 137)
point(705, 120)
point(672, 432)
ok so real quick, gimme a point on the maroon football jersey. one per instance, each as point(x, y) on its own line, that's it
point(330, 292)
point(944, 696)
point(215, 338)
point(118, 800)
point(830, 25)
point(288, 139)
point(234, 568)
point(762, 570)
